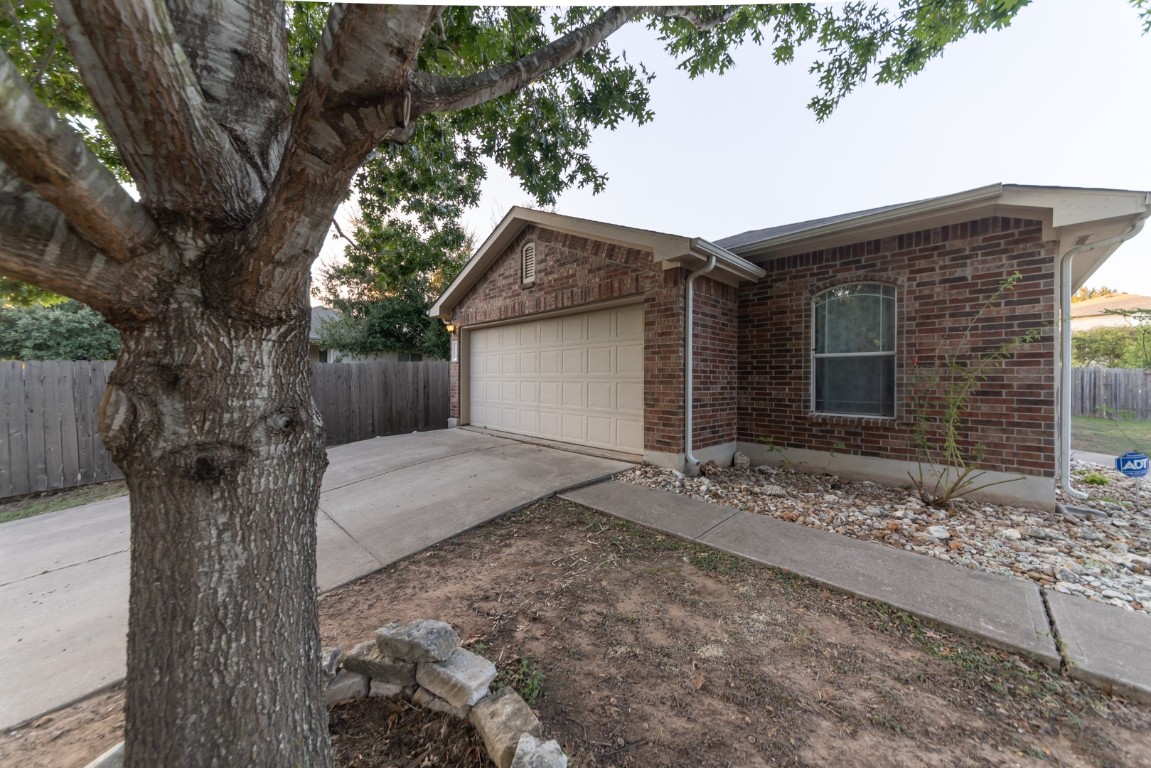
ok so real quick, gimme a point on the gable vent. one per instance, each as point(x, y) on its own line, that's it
point(528, 264)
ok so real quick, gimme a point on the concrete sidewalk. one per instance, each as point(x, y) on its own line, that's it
point(64, 576)
point(1106, 646)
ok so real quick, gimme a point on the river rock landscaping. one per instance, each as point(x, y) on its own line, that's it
point(1103, 555)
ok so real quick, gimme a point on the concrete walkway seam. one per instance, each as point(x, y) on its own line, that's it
point(62, 568)
point(415, 464)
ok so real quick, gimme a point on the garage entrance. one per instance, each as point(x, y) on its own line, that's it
point(575, 379)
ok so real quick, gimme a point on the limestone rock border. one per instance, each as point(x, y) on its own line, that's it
point(458, 685)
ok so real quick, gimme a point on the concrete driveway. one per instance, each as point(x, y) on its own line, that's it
point(64, 576)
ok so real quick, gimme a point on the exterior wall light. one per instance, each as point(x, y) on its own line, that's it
point(450, 327)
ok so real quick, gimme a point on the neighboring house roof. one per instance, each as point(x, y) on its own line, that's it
point(1070, 216)
point(672, 250)
point(320, 315)
point(1116, 301)
point(1098, 312)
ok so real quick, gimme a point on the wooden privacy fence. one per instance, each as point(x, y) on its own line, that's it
point(363, 400)
point(49, 438)
point(1119, 393)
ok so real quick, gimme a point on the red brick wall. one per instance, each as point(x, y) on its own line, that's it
point(715, 354)
point(573, 272)
point(942, 276)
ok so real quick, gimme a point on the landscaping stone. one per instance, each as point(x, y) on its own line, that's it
point(420, 640)
point(346, 686)
point(740, 461)
point(532, 753)
point(428, 700)
point(330, 660)
point(366, 659)
point(381, 690)
point(462, 679)
point(1101, 557)
point(500, 720)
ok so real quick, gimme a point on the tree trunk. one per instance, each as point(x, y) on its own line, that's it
point(213, 423)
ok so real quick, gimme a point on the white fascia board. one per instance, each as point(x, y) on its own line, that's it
point(1055, 207)
point(1070, 206)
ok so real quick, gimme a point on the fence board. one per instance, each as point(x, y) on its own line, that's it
point(15, 411)
point(1119, 393)
point(48, 414)
point(34, 398)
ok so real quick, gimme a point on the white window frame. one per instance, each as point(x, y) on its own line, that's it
point(828, 355)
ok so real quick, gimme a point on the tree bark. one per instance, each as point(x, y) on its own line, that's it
point(213, 423)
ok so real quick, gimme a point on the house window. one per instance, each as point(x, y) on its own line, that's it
point(528, 264)
point(854, 353)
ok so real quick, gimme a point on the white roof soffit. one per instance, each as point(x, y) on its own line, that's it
point(1063, 211)
point(672, 251)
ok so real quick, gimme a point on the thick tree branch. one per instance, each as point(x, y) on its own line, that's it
point(143, 85)
point(238, 52)
point(37, 246)
point(354, 97)
point(47, 154)
point(432, 93)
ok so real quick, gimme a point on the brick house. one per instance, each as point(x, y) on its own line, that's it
point(804, 341)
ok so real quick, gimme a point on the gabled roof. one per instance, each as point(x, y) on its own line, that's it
point(1113, 302)
point(1070, 216)
point(671, 251)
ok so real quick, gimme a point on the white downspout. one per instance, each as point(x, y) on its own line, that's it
point(690, 461)
point(1065, 351)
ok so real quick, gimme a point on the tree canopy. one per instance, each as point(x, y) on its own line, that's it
point(242, 125)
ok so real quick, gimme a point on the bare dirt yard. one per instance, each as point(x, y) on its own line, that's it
point(639, 649)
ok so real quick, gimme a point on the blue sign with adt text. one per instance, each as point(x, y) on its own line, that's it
point(1132, 464)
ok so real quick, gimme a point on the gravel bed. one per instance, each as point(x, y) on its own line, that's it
point(1105, 557)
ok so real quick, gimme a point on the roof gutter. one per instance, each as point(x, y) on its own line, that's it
point(691, 462)
point(1065, 349)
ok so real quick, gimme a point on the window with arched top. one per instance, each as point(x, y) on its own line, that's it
point(853, 356)
point(528, 264)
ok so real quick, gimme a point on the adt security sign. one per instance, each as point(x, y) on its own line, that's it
point(1132, 464)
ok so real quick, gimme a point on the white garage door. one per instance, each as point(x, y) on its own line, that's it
point(576, 379)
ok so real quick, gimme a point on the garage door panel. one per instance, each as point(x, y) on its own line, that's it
point(549, 393)
point(574, 394)
point(600, 360)
point(629, 359)
point(577, 378)
point(574, 328)
point(599, 395)
point(549, 424)
point(572, 427)
point(549, 331)
point(629, 322)
point(629, 435)
point(600, 326)
point(599, 430)
point(574, 360)
point(629, 397)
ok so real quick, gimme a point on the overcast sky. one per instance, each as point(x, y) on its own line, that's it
point(1059, 98)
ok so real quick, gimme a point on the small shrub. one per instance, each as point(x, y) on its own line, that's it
point(1094, 478)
